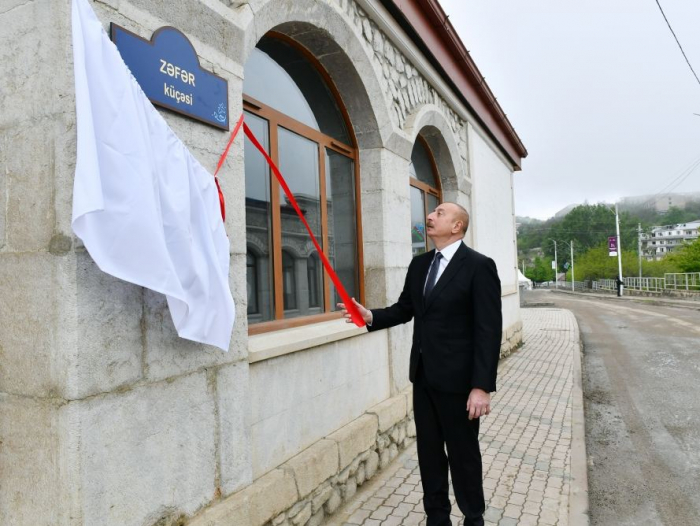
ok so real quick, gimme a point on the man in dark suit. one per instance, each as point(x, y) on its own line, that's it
point(453, 294)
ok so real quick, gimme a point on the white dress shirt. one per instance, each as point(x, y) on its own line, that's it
point(447, 254)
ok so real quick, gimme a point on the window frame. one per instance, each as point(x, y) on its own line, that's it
point(275, 119)
point(425, 188)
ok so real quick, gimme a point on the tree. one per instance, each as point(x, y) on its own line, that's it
point(540, 271)
point(687, 258)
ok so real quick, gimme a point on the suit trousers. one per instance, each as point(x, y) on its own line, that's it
point(442, 420)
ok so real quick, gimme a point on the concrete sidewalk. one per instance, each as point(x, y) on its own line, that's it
point(533, 442)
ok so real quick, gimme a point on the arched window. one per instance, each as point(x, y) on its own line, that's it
point(425, 193)
point(294, 110)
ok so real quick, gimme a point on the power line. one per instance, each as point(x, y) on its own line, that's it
point(677, 41)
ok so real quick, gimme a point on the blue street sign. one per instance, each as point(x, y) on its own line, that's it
point(167, 69)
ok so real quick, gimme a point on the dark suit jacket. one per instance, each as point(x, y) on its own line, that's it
point(458, 327)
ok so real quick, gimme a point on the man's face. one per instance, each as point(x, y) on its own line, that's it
point(441, 222)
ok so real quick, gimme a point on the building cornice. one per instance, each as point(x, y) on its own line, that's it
point(426, 24)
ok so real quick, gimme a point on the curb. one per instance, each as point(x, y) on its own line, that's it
point(578, 489)
point(692, 305)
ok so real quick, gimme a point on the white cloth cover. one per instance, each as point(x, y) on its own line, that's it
point(146, 210)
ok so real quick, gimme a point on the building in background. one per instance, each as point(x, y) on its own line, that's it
point(665, 239)
point(375, 113)
point(660, 202)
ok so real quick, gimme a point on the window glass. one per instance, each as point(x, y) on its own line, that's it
point(258, 221)
point(278, 75)
point(252, 282)
point(418, 235)
point(421, 166)
point(290, 282)
point(313, 277)
point(298, 158)
point(342, 222)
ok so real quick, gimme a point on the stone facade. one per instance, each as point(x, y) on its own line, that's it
point(314, 484)
point(106, 416)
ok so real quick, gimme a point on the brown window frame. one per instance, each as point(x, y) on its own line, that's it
point(275, 120)
point(434, 191)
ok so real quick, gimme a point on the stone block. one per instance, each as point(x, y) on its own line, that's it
point(37, 68)
point(234, 511)
point(313, 466)
point(371, 465)
point(108, 335)
point(28, 164)
point(355, 438)
point(139, 452)
point(297, 399)
point(303, 516)
point(320, 498)
point(30, 462)
point(350, 489)
point(333, 502)
point(30, 314)
point(316, 519)
point(233, 400)
point(169, 355)
point(389, 412)
point(270, 495)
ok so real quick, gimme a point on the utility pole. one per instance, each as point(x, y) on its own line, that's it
point(556, 265)
point(572, 266)
point(639, 236)
point(619, 252)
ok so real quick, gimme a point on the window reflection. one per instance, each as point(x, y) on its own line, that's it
point(278, 75)
point(423, 195)
point(342, 227)
point(290, 282)
point(258, 223)
point(421, 166)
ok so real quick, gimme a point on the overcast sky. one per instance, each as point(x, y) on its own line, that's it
point(598, 91)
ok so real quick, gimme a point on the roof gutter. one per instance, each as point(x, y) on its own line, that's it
point(427, 25)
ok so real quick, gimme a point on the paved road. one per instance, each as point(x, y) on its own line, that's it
point(641, 384)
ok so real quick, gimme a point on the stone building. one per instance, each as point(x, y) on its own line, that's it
point(375, 112)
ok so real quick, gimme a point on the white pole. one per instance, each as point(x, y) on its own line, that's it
point(639, 235)
point(556, 265)
point(572, 266)
point(619, 251)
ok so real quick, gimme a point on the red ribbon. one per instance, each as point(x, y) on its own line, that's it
point(350, 306)
point(222, 202)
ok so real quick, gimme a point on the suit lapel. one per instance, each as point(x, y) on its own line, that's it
point(452, 267)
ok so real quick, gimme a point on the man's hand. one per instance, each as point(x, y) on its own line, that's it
point(478, 403)
point(365, 313)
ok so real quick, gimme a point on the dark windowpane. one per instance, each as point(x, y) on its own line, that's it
point(421, 167)
point(342, 222)
point(258, 222)
point(298, 158)
point(290, 282)
point(252, 281)
point(278, 75)
point(418, 235)
point(314, 279)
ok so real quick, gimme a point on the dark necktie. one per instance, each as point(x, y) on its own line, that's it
point(432, 275)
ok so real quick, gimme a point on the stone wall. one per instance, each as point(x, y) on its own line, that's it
point(511, 339)
point(312, 485)
point(106, 416)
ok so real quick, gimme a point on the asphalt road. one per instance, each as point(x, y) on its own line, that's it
point(641, 387)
